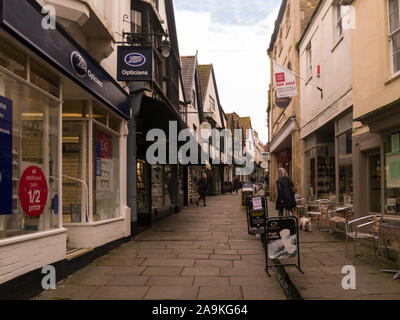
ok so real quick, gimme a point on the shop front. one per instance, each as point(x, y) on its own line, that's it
point(160, 187)
point(376, 161)
point(328, 161)
point(62, 145)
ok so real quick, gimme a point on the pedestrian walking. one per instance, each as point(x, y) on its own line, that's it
point(236, 184)
point(286, 192)
point(202, 189)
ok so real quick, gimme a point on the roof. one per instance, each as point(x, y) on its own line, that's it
point(245, 123)
point(204, 75)
point(188, 68)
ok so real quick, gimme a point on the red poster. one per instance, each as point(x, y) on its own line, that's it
point(105, 142)
point(280, 77)
point(33, 191)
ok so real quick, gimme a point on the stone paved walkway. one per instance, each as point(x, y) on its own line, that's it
point(322, 259)
point(199, 253)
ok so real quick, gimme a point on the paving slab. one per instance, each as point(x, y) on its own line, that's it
point(198, 253)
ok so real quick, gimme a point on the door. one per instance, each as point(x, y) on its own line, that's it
point(375, 175)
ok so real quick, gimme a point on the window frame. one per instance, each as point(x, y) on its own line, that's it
point(338, 21)
point(390, 38)
point(309, 61)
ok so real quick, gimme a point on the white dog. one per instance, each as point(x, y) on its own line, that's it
point(305, 224)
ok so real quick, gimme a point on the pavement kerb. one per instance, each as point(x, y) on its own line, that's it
point(289, 289)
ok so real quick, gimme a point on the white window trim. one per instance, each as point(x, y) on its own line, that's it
point(394, 73)
point(337, 21)
point(309, 61)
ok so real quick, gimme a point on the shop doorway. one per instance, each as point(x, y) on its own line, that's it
point(375, 183)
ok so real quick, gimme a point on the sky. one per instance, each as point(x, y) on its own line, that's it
point(234, 36)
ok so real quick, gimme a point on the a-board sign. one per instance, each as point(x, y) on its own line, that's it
point(282, 238)
point(257, 204)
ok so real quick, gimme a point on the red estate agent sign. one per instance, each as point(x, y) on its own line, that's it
point(33, 191)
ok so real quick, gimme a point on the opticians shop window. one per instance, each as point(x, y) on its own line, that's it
point(28, 158)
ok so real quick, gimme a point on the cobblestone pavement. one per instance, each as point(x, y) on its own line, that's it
point(322, 259)
point(199, 253)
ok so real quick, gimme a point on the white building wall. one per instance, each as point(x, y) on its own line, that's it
point(211, 92)
point(20, 255)
point(334, 58)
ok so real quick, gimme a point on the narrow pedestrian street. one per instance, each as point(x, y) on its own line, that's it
point(199, 253)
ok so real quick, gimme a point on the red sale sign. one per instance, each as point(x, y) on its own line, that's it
point(33, 191)
point(280, 77)
point(105, 143)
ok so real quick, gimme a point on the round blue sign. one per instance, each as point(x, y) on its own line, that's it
point(135, 59)
point(79, 64)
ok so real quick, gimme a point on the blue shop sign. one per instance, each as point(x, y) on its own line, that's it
point(6, 154)
point(135, 63)
point(23, 19)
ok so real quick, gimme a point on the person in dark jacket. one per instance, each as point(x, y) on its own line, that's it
point(236, 184)
point(202, 189)
point(285, 198)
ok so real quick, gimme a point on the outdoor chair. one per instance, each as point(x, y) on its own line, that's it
point(366, 228)
point(340, 215)
point(323, 211)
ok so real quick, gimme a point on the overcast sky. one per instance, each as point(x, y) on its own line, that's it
point(234, 36)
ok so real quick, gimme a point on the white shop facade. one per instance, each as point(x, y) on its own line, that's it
point(63, 129)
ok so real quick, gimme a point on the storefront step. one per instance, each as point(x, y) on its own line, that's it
point(75, 253)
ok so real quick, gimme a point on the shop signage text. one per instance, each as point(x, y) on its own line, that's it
point(135, 63)
point(33, 191)
point(285, 83)
point(5, 156)
point(81, 68)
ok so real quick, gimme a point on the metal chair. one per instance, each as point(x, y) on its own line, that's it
point(359, 229)
point(342, 215)
point(323, 210)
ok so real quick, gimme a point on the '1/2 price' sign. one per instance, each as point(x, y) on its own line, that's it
point(33, 191)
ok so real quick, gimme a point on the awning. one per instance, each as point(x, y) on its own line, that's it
point(157, 115)
point(279, 141)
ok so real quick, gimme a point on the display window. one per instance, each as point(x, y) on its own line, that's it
point(106, 185)
point(392, 174)
point(344, 138)
point(91, 163)
point(163, 190)
point(29, 155)
point(320, 173)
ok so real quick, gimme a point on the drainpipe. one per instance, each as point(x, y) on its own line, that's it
point(136, 91)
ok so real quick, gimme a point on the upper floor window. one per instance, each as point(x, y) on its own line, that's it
point(394, 33)
point(136, 18)
point(339, 21)
point(212, 103)
point(309, 60)
point(287, 20)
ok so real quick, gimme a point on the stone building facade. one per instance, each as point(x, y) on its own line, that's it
point(286, 146)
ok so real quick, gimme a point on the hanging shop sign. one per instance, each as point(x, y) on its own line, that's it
point(6, 132)
point(285, 82)
point(103, 161)
point(135, 63)
point(33, 191)
point(282, 238)
point(282, 102)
